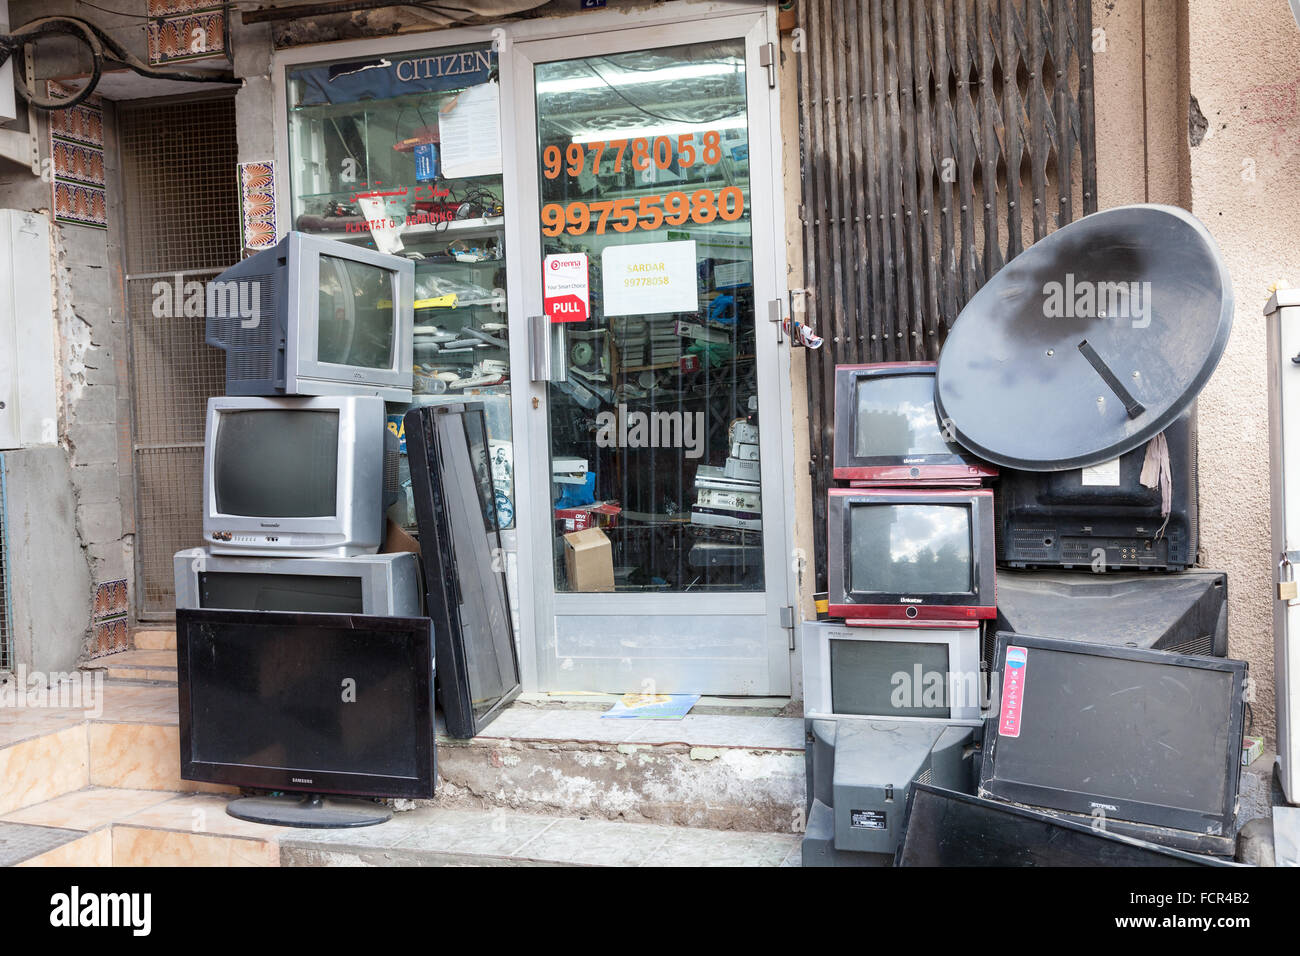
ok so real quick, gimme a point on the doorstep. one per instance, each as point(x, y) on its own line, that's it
point(713, 771)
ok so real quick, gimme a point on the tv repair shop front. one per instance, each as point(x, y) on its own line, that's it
point(593, 203)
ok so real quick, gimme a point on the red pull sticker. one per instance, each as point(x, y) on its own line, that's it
point(1013, 691)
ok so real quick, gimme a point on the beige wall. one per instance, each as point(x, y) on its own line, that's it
point(1240, 59)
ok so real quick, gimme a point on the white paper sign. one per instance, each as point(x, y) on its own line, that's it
point(650, 278)
point(1104, 474)
point(469, 134)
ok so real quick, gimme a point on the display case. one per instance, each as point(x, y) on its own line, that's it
point(401, 153)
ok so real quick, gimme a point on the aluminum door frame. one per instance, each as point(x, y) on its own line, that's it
point(773, 606)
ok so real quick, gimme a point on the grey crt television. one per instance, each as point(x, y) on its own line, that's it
point(295, 477)
point(387, 585)
point(894, 671)
point(313, 316)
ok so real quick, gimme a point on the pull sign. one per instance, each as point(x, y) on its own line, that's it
point(767, 60)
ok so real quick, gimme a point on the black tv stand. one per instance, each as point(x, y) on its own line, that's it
point(309, 810)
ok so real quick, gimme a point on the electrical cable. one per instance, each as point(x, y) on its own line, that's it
point(101, 46)
point(649, 112)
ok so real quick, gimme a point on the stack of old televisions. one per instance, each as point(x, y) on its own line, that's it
point(893, 684)
point(904, 686)
point(305, 656)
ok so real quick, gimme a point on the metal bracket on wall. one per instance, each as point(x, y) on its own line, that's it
point(767, 60)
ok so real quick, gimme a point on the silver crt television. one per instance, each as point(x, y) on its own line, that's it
point(387, 585)
point(898, 670)
point(296, 477)
point(313, 316)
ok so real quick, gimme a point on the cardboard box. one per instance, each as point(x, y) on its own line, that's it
point(395, 539)
point(589, 560)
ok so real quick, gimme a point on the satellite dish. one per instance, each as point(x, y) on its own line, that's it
point(1088, 343)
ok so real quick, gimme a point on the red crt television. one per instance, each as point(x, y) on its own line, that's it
point(887, 431)
point(910, 554)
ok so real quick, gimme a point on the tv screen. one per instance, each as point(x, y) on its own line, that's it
point(357, 323)
point(321, 703)
point(276, 463)
point(896, 418)
point(865, 678)
point(281, 592)
point(1153, 737)
point(910, 548)
point(455, 503)
point(945, 828)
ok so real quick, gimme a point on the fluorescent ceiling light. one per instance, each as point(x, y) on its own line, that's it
point(662, 129)
point(693, 71)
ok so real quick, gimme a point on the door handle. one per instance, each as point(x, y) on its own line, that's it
point(546, 350)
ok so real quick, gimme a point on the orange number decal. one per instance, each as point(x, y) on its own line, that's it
point(713, 147)
point(686, 149)
point(731, 203)
point(576, 157)
point(551, 161)
point(579, 218)
point(641, 154)
point(704, 208)
point(552, 218)
point(677, 208)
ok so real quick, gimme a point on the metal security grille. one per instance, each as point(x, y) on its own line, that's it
point(938, 139)
point(6, 617)
point(181, 204)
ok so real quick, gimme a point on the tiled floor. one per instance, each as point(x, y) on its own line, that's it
point(102, 787)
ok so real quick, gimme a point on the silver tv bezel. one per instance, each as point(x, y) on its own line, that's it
point(390, 583)
point(304, 373)
point(357, 525)
point(963, 642)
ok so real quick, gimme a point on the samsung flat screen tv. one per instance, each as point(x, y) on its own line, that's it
point(306, 703)
point(300, 477)
point(387, 585)
point(898, 672)
point(887, 431)
point(1153, 738)
point(910, 554)
point(464, 566)
point(315, 316)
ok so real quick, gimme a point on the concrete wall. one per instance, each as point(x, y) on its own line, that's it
point(1219, 134)
point(88, 475)
point(49, 573)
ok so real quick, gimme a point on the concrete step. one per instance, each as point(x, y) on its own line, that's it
point(154, 666)
point(432, 836)
point(712, 771)
point(155, 640)
point(118, 827)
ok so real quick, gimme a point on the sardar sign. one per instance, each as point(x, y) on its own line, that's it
point(566, 289)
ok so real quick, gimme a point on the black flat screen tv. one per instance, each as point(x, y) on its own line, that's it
point(308, 703)
point(946, 828)
point(464, 564)
point(1150, 737)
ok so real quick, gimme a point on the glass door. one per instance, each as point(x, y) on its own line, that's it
point(649, 242)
